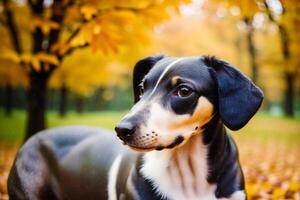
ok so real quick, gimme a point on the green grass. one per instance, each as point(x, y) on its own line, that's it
point(262, 126)
point(12, 128)
point(267, 128)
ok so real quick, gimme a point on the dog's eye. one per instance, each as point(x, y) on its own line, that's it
point(183, 91)
point(141, 91)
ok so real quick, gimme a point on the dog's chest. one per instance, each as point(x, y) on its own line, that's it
point(180, 173)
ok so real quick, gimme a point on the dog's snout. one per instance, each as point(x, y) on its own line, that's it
point(125, 130)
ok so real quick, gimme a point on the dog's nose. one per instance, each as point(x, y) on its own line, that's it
point(125, 131)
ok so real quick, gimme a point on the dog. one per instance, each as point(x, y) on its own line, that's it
point(179, 148)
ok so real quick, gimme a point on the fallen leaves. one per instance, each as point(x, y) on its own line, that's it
point(271, 169)
point(7, 154)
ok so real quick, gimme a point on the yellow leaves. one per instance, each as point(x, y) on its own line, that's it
point(92, 69)
point(294, 186)
point(59, 48)
point(99, 34)
point(153, 15)
point(11, 55)
point(122, 17)
point(276, 176)
point(88, 11)
point(119, 29)
point(44, 24)
point(84, 36)
point(47, 58)
point(73, 14)
point(36, 60)
point(29, 59)
point(109, 26)
point(12, 73)
point(278, 193)
point(248, 7)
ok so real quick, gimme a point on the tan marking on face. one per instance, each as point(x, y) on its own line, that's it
point(167, 125)
point(175, 80)
point(201, 116)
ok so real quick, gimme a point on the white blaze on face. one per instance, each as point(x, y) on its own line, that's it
point(164, 73)
point(168, 125)
point(139, 106)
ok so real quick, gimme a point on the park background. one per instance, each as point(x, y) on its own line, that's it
point(68, 62)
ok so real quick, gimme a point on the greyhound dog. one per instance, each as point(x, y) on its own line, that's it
point(179, 148)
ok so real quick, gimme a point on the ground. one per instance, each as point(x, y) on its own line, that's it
point(269, 150)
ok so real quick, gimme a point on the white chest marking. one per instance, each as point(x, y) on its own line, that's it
point(180, 173)
point(164, 72)
point(112, 178)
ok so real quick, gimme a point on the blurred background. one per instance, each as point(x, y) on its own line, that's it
point(68, 62)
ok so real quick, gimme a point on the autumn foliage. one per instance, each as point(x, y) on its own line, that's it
point(43, 34)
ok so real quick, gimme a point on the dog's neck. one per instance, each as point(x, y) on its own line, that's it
point(182, 172)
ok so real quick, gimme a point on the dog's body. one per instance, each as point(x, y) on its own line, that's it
point(177, 124)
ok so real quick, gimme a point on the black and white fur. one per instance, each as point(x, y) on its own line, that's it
point(176, 129)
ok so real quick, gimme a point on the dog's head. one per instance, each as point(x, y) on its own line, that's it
point(176, 97)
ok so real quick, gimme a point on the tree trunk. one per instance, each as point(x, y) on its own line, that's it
point(36, 104)
point(63, 100)
point(289, 78)
point(79, 104)
point(289, 94)
point(251, 50)
point(8, 99)
point(99, 101)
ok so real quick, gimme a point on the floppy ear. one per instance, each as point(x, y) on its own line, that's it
point(141, 68)
point(239, 97)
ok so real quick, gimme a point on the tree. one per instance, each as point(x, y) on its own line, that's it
point(245, 10)
point(58, 28)
point(287, 22)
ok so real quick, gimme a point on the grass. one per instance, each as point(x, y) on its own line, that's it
point(12, 128)
point(262, 126)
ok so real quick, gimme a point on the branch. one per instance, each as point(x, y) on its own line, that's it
point(269, 12)
point(282, 30)
point(132, 9)
point(30, 3)
point(12, 28)
point(71, 50)
point(37, 7)
point(58, 14)
point(61, 57)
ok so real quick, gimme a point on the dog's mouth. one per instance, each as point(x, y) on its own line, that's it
point(137, 147)
point(141, 149)
point(177, 141)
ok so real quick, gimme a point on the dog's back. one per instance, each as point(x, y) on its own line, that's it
point(56, 162)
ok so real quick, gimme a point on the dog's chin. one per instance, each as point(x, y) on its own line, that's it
point(141, 149)
point(179, 141)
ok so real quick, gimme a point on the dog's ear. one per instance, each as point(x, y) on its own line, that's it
point(238, 97)
point(141, 68)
